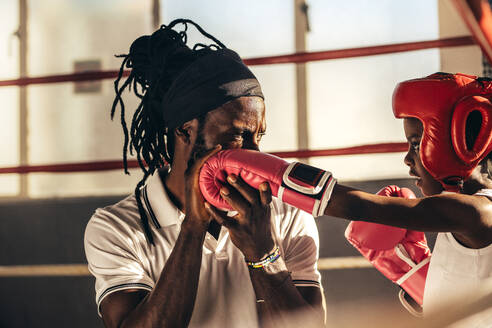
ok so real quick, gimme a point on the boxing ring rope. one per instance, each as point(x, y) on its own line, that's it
point(391, 147)
point(50, 270)
point(335, 263)
point(282, 59)
point(478, 18)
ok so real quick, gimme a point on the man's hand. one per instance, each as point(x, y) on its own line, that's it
point(194, 202)
point(250, 229)
point(251, 232)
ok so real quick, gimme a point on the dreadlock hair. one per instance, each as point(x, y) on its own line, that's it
point(155, 62)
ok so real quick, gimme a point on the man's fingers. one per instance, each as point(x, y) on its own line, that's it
point(234, 198)
point(219, 216)
point(265, 193)
point(248, 192)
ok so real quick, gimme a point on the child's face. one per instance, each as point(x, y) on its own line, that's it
point(427, 184)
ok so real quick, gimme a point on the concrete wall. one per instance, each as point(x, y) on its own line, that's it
point(51, 231)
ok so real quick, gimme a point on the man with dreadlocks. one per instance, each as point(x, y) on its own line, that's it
point(158, 257)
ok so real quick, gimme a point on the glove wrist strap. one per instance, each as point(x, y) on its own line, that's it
point(310, 181)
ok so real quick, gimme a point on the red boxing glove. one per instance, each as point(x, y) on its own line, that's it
point(300, 185)
point(401, 255)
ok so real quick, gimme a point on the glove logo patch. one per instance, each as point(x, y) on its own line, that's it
point(305, 178)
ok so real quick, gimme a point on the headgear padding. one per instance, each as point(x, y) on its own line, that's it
point(443, 103)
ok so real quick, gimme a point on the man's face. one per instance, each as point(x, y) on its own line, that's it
point(413, 132)
point(237, 124)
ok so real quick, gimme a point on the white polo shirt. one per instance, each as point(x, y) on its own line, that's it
point(120, 257)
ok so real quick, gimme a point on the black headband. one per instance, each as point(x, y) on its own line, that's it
point(208, 83)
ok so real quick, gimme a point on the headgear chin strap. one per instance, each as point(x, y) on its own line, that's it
point(444, 103)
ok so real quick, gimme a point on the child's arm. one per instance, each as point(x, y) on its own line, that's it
point(468, 217)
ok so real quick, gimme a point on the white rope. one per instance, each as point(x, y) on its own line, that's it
point(43, 270)
point(348, 262)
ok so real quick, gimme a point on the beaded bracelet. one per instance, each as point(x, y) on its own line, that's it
point(266, 261)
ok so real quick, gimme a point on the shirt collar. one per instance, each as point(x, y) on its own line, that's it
point(161, 210)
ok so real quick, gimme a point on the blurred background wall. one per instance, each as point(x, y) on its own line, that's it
point(343, 102)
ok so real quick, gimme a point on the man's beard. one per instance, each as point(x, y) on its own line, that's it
point(198, 151)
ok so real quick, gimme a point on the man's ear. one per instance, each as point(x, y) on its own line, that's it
point(187, 132)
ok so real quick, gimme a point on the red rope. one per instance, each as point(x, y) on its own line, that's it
point(73, 77)
point(361, 52)
point(392, 147)
point(389, 147)
point(477, 16)
point(283, 59)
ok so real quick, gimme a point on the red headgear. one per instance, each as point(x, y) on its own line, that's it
point(443, 102)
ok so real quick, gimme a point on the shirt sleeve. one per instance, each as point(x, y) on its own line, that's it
point(111, 258)
point(301, 250)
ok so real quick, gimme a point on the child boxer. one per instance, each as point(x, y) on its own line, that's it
point(448, 124)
